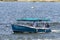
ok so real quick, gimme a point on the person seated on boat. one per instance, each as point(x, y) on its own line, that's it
point(30, 24)
point(47, 25)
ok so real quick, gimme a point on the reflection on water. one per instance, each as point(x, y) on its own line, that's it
point(6, 33)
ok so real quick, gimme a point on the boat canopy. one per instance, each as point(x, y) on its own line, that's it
point(33, 19)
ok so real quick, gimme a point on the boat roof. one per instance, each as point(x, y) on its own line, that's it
point(33, 19)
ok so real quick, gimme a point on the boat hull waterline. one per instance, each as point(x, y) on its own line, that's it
point(18, 28)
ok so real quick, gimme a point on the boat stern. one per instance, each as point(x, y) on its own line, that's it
point(44, 30)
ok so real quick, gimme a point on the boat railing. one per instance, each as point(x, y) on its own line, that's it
point(32, 26)
point(26, 25)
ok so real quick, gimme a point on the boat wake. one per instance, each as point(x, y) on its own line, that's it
point(56, 31)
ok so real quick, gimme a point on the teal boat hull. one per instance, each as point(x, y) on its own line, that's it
point(44, 30)
point(18, 28)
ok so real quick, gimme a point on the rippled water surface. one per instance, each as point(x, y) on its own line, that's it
point(10, 11)
point(6, 33)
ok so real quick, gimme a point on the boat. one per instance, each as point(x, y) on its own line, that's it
point(31, 25)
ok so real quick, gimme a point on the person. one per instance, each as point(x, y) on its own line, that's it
point(47, 25)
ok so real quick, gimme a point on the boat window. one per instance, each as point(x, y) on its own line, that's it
point(40, 24)
point(29, 24)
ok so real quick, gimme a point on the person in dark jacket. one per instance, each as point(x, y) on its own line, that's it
point(47, 25)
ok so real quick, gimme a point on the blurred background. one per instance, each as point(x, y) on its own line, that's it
point(34, 0)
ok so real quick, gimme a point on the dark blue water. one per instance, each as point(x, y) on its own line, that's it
point(10, 11)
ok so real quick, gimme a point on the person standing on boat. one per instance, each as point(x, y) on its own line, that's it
point(47, 25)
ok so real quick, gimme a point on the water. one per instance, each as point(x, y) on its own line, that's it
point(10, 11)
point(6, 33)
